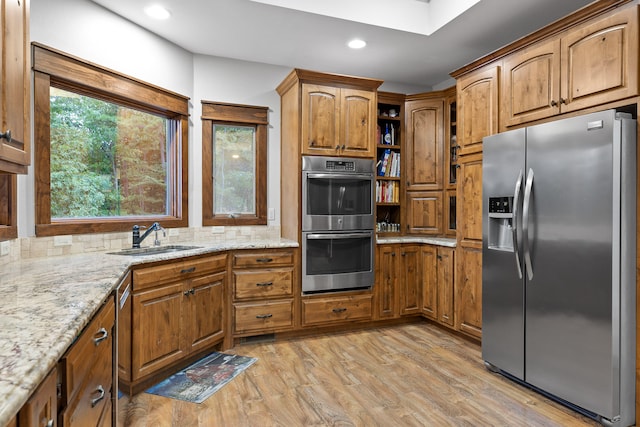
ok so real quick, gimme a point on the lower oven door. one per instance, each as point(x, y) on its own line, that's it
point(337, 261)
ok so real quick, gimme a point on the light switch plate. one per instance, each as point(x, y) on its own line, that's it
point(271, 215)
point(217, 229)
point(173, 232)
point(4, 248)
point(65, 240)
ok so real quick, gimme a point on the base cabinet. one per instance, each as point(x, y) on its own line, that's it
point(176, 312)
point(325, 310)
point(438, 286)
point(263, 287)
point(41, 408)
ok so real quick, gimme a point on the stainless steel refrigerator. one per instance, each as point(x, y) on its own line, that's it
point(559, 260)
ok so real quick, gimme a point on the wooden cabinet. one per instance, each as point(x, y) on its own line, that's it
point(176, 311)
point(263, 285)
point(327, 310)
point(468, 276)
point(438, 287)
point(424, 212)
point(387, 276)
point(15, 91)
point(478, 108)
point(328, 114)
point(410, 279)
point(590, 64)
point(430, 282)
point(41, 410)
point(424, 144)
point(88, 370)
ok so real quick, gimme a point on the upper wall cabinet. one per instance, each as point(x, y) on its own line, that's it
point(587, 65)
point(332, 115)
point(15, 92)
point(478, 106)
point(425, 134)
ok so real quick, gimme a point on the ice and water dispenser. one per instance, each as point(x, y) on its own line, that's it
point(501, 223)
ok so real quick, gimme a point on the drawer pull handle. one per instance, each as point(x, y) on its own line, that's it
point(191, 291)
point(264, 316)
point(50, 423)
point(101, 335)
point(100, 391)
point(263, 284)
point(264, 259)
point(339, 310)
point(187, 270)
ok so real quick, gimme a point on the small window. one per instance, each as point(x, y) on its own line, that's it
point(110, 151)
point(234, 139)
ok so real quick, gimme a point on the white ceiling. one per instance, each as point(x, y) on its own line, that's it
point(252, 31)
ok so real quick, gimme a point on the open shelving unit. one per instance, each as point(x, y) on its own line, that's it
point(389, 188)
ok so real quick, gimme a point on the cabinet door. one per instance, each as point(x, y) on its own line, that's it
point(41, 408)
point(469, 199)
point(386, 281)
point(430, 284)
point(157, 339)
point(468, 296)
point(410, 279)
point(478, 105)
point(320, 119)
point(15, 91)
point(424, 142)
point(205, 302)
point(446, 269)
point(424, 212)
point(358, 109)
point(531, 84)
point(600, 61)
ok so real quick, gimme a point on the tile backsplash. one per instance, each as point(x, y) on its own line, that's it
point(37, 247)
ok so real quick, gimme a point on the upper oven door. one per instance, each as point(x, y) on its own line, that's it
point(337, 201)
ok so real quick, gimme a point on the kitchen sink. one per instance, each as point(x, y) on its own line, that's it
point(153, 250)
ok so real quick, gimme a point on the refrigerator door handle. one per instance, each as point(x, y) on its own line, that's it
point(525, 224)
point(514, 222)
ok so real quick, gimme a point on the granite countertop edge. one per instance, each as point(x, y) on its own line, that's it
point(48, 301)
point(438, 241)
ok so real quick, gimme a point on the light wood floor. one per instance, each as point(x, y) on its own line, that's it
point(410, 375)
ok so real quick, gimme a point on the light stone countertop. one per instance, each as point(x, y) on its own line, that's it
point(438, 241)
point(46, 302)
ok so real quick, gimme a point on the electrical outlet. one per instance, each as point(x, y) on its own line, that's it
point(271, 214)
point(217, 229)
point(65, 240)
point(4, 248)
point(174, 232)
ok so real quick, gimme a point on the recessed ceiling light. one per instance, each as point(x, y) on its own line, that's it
point(357, 44)
point(157, 12)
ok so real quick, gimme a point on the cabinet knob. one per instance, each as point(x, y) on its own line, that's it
point(343, 146)
point(563, 101)
point(6, 135)
point(363, 122)
point(403, 253)
point(393, 254)
point(312, 143)
point(554, 103)
point(337, 147)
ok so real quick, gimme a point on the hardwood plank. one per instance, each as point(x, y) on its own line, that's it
point(410, 375)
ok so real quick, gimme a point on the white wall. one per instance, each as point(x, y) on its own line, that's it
point(88, 31)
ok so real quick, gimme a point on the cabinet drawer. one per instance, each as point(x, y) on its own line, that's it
point(263, 316)
point(88, 406)
point(183, 269)
point(254, 284)
point(94, 344)
point(262, 259)
point(327, 310)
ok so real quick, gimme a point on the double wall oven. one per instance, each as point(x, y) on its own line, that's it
point(337, 224)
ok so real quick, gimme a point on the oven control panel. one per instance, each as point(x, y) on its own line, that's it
point(340, 165)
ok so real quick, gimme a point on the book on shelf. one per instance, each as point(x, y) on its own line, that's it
point(387, 192)
point(388, 164)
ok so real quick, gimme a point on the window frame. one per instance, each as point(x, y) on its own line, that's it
point(54, 68)
point(217, 113)
point(8, 207)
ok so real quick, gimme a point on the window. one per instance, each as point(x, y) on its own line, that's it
point(234, 164)
point(111, 151)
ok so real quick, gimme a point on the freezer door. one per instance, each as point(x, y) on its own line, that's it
point(502, 282)
point(569, 336)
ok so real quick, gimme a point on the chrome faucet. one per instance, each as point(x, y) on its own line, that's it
point(137, 238)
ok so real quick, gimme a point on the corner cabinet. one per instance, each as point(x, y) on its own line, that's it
point(15, 91)
point(334, 114)
point(176, 313)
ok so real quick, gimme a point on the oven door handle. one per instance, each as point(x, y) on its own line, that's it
point(338, 236)
point(366, 176)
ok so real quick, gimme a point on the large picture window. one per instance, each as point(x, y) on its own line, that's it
point(110, 150)
point(234, 159)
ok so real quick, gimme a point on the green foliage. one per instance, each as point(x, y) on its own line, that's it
point(234, 171)
point(106, 160)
